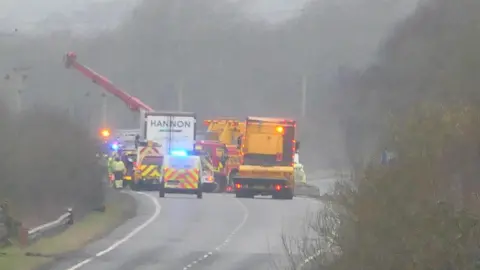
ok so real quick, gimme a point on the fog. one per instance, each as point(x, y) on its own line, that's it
point(235, 58)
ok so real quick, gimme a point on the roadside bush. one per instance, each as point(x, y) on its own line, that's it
point(48, 164)
point(419, 212)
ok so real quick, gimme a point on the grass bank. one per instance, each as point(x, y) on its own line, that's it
point(119, 207)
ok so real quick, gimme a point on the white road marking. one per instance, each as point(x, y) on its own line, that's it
point(226, 241)
point(127, 237)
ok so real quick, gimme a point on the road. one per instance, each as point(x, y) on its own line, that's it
point(182, 232)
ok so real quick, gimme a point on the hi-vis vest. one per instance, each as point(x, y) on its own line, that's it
point(118, 166)
point(181, 178)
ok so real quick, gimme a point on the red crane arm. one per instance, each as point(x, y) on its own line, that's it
point(132, 102)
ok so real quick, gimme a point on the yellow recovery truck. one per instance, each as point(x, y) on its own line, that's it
point(268, 149)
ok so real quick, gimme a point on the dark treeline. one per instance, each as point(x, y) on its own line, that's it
point(429, 57)
point(420, 98)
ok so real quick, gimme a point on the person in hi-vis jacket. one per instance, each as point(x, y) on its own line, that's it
point(119, 170)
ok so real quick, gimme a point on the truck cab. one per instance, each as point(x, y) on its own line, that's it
point(148, 162)
point(222, 135)
point(268, 149)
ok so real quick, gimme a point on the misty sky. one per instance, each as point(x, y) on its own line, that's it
point(25, 13)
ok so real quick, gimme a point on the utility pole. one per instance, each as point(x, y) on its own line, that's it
point(304, 96)
point(180, 96)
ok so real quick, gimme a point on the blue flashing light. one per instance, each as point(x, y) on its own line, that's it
point(115, 146)
point(179, 153)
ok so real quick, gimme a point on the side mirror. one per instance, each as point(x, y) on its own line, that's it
point(297, 146)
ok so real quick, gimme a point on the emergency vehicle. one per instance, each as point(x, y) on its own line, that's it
point(182, 173)
point(208, 174)
point(129, 158)
point(268, 150)
point(220, 141)
point(218, 155)
point(147, 167)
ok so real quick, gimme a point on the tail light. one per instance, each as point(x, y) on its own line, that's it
point(229, 188)
point(238, 186)
point(278, 187)
point(279, 156)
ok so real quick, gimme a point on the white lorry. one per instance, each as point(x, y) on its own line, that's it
point(173, 131)
point(164, 133)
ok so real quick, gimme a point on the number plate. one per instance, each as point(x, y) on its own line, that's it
point(173, 182)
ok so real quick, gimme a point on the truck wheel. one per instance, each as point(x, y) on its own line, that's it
point(288, 194)
point(161, 191)
point(221, 182)
point(230, 178)
point(199, 194)
point(134, 186)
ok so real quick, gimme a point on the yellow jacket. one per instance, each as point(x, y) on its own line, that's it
point(119, 166)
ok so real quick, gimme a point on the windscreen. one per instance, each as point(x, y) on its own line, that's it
point(212, 151)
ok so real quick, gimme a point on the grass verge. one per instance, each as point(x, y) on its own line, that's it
point(118, 208)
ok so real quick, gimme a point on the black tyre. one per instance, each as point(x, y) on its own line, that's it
point(287, 194)
point(290, 195)
point(231, 176)
point(221, 182)
point(199, 194)
point(135, 186)
point(161, 191)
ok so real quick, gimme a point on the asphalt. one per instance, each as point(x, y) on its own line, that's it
point(182, 232)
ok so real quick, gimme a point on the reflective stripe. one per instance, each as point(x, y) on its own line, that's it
point(187, 178)
point(149, 171)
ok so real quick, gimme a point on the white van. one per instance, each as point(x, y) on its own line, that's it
point(181, 173)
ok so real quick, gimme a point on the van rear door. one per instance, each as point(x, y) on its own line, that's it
point(181, 172)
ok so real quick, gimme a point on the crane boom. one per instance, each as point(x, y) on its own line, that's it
point(132, 102)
